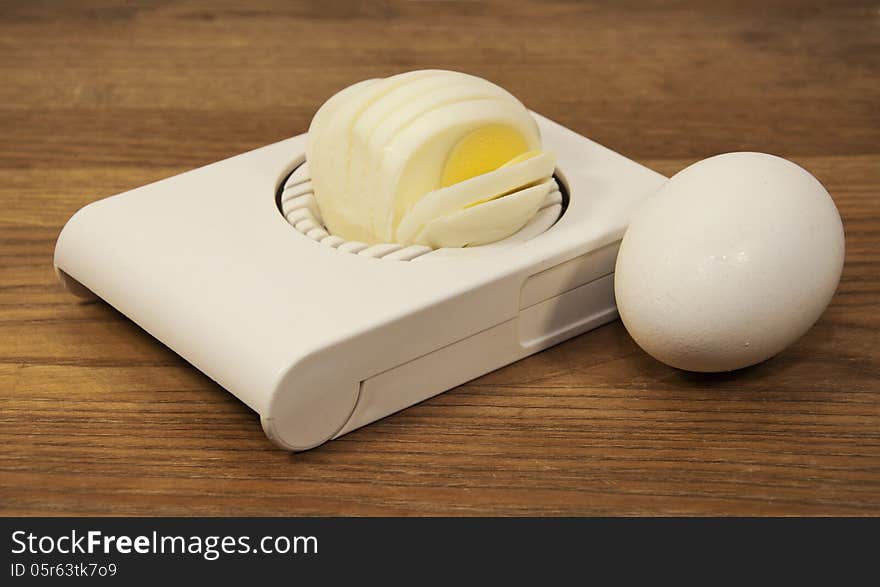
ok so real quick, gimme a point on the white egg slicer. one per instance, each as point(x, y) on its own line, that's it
point(230, 267)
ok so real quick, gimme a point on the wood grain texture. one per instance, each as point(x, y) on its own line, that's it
point(99, 418)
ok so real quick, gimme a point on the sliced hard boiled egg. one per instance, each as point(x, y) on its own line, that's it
point(397, 159)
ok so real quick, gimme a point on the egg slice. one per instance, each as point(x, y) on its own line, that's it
point(502, 187)
point(486, 222)
point(379, 149)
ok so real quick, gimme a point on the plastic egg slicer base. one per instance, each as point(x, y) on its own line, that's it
point(230, 266)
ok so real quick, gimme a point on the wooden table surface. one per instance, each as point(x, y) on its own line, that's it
point(99, 418)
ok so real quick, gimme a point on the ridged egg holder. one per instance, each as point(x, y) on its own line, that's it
point(231, 267)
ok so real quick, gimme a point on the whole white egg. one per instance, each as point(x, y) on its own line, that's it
point(734, 259)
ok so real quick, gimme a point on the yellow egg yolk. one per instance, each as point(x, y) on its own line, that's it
point(482, 151)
